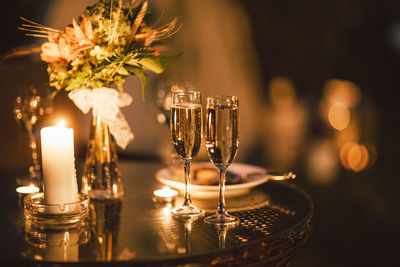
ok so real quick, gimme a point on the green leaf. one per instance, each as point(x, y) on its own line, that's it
point(139, 72)
point(152, 64)
point(158, 64)
point(123, 71)
point(132, 62)
point(168, 60)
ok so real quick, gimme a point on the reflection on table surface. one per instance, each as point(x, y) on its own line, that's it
point(274, 220)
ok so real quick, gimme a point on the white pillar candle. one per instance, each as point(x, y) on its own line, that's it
point(58, 160)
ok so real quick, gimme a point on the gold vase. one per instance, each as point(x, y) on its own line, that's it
point(101, 177)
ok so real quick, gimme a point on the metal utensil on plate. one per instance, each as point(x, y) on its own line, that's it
point(235, 178)
point(272, 175)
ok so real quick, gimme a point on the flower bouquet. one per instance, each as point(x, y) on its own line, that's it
point(109, 42)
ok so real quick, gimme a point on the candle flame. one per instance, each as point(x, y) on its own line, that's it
point(61, 123)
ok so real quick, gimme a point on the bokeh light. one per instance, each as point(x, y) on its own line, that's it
point(339, 97)
point(285, 124)
point(339, 116)
point(342, 91)
point(323, 163)
point(354, 156)
point(281, 92)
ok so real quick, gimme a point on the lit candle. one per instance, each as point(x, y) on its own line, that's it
point(165, 194)
point(59, 176)
point(27, 189)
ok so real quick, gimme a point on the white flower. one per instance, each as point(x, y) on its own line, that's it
point(99, 53)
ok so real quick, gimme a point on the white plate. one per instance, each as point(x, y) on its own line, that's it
point(166, 176)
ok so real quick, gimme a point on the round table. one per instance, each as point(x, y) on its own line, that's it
point(275, 221)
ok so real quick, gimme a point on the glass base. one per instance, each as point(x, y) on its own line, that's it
point(187, 212)
point(58, 237)
point(222, 219)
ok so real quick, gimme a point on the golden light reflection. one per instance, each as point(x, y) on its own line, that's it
point(339, 116)
point(38, 257)
point(166, 211)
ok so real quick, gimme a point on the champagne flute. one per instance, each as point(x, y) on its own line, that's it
point(186, 135)
point(163, 103)
point(222, 141)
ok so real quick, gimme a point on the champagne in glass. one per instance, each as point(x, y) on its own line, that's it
point(186, 135)
point(222, 141)
point(163, 103)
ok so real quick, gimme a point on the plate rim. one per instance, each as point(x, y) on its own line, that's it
point(213, 188)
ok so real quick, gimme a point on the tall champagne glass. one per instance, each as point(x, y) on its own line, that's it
point(186, 135)
point(222, 141)
point(163, 104)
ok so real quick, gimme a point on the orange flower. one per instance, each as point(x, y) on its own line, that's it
point(50, 52)
point(83, 37)
point(65, 45)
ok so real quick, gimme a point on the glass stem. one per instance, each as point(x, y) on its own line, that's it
point(221, 205)
point(222, 238)
point(188, 240)
point(187, 200)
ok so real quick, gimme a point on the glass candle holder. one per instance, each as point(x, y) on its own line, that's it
point(40, 215)
point(63, 237)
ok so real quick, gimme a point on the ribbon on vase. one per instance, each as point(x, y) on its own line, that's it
point(106, 103)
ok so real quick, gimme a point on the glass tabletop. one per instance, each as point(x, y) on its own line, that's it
point(275, 219)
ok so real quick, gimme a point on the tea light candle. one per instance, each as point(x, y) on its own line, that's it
point(165, 194)
point(58, 160)
point(27, 189)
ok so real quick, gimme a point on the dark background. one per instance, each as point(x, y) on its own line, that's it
point(356, 219)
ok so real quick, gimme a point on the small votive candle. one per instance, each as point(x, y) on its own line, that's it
point(27, 189)
point(165, 194)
